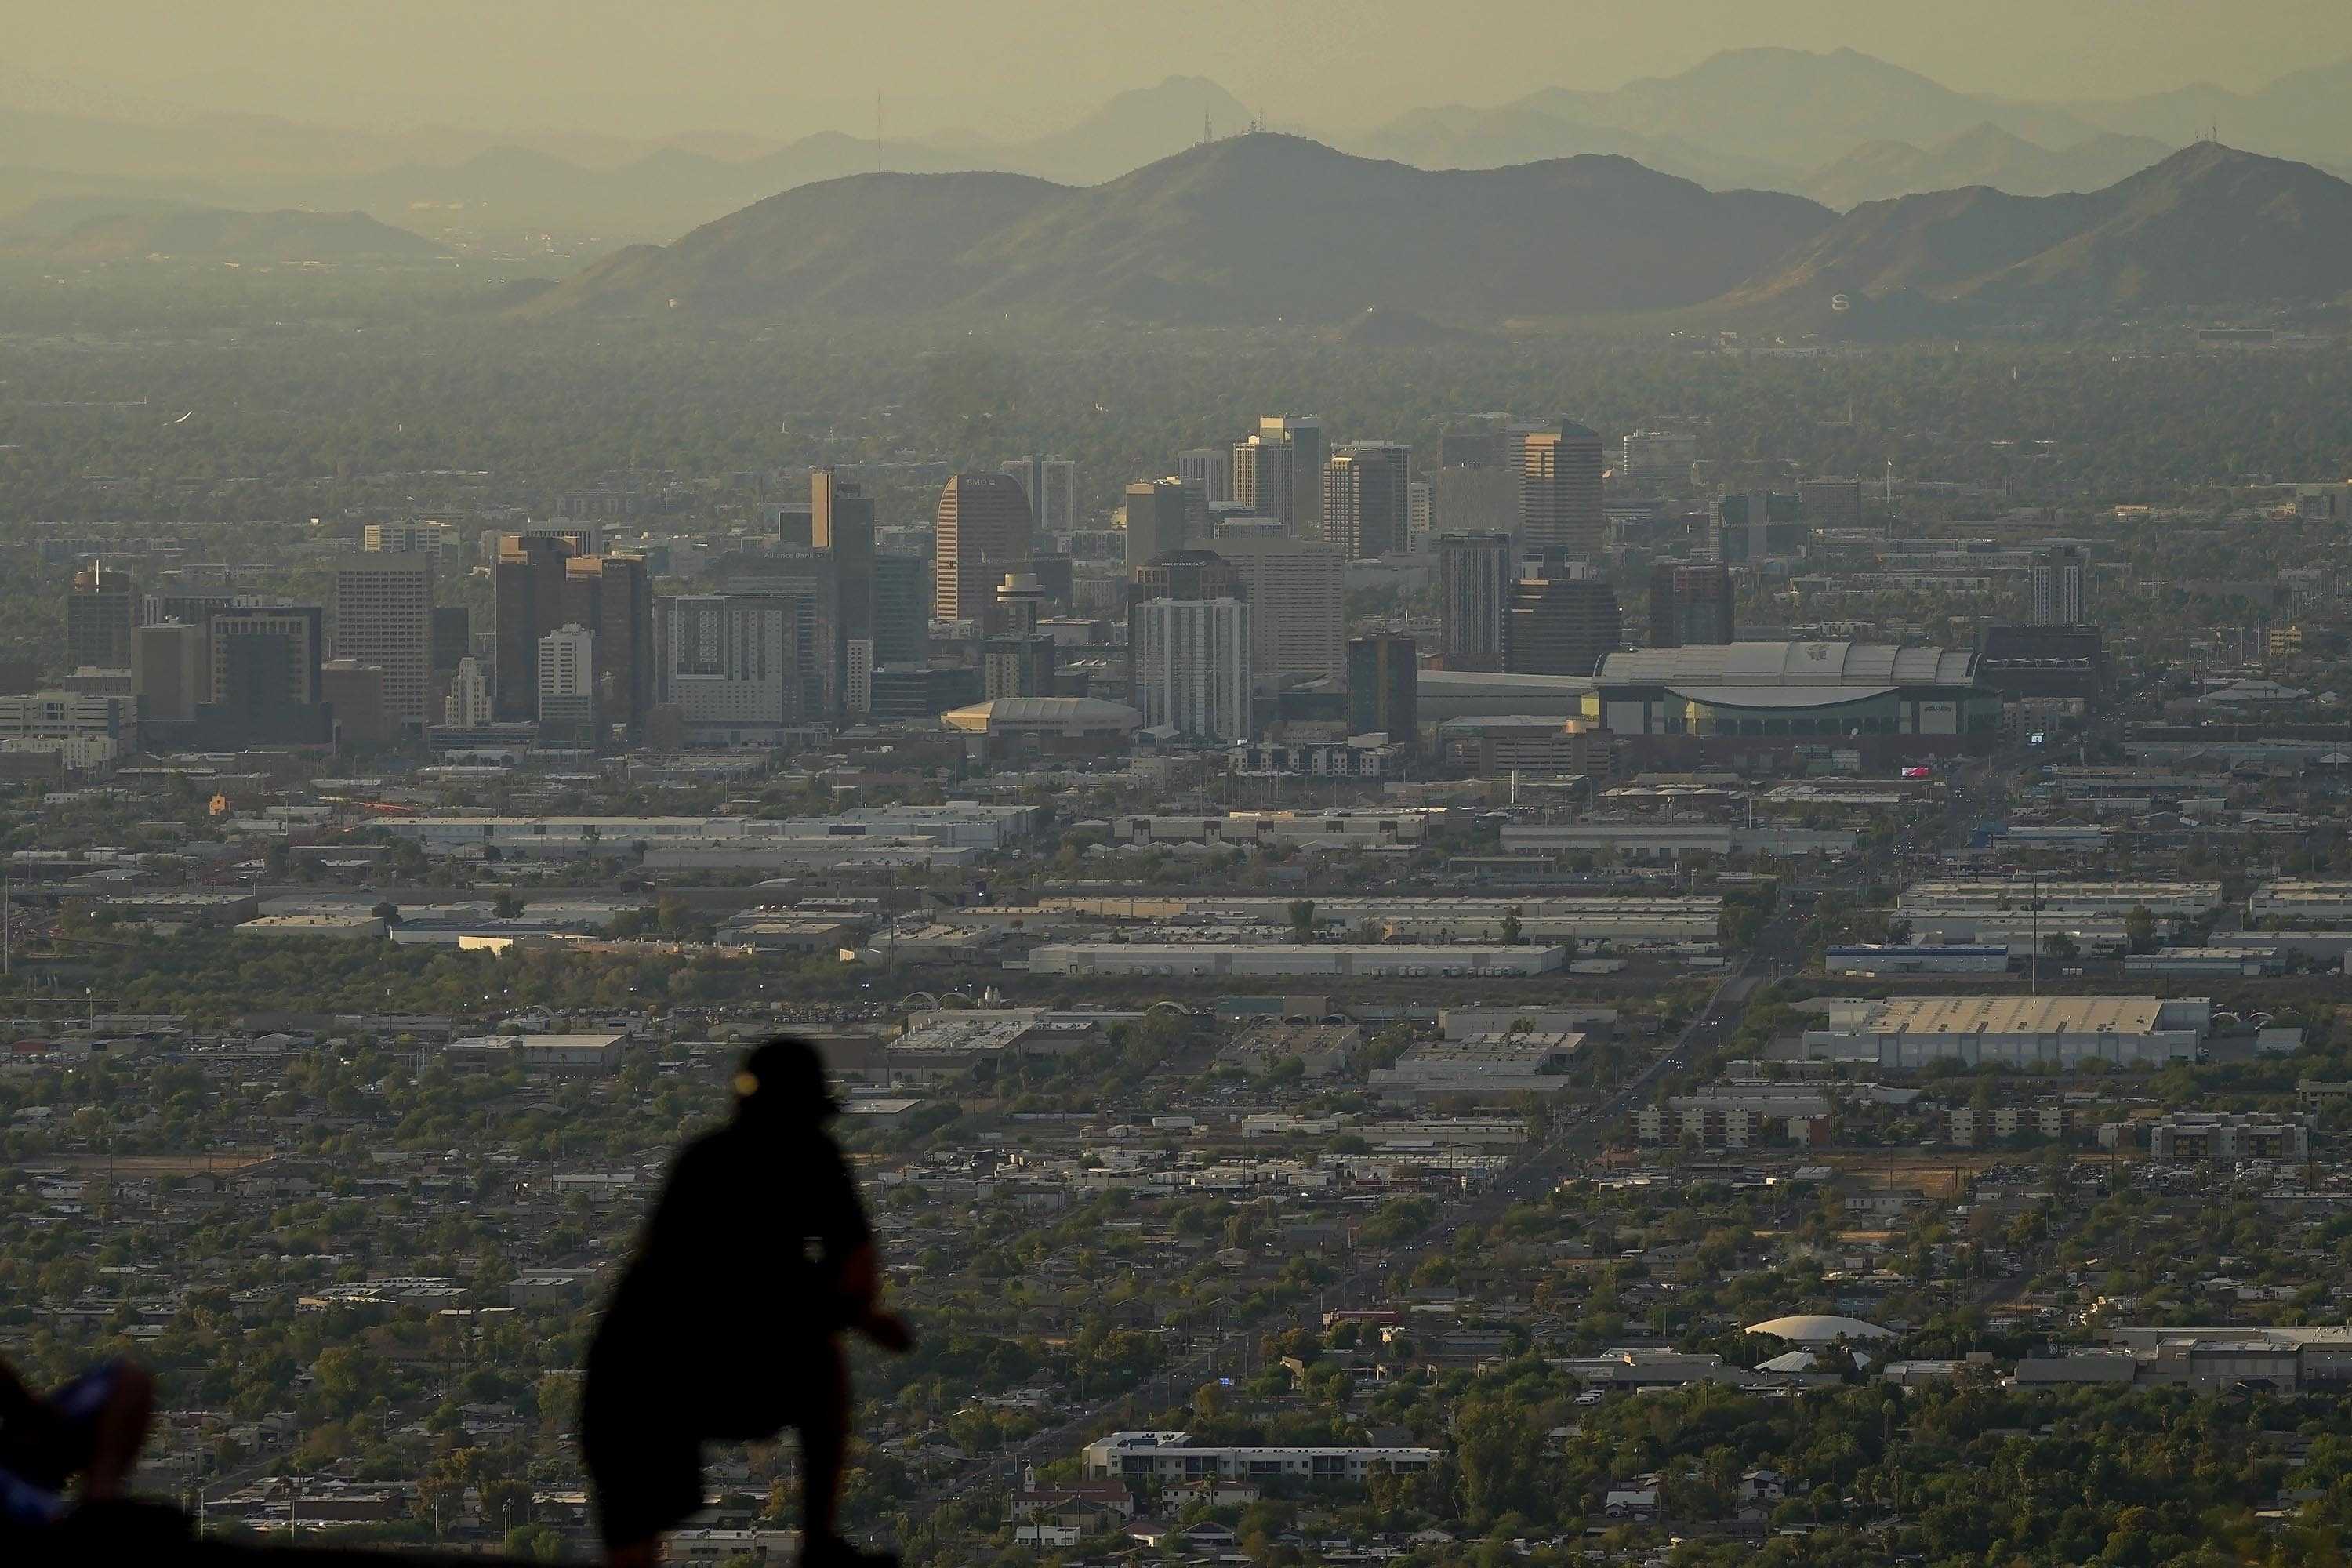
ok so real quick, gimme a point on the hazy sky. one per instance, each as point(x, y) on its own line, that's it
point(645, 67)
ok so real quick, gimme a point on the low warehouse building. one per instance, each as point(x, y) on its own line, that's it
point(1209, 959)
point(2019, 1031)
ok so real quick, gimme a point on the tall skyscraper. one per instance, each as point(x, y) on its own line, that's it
point(1191, 661)
point(841, 524)
point(2058, 587)
point(1384, 688)
point(1211, 468)
point(1297, 591)
point(1563, 625)
point(730, 664)
point(823, 655)
point(102, 612)
point(266, 682)
point(1020, 605)
point(1051, 485)
point(527, 584)
point(169, 673)
point(565, 683)
point(267, 655)
point(1368, 500)
point(1157, 520)
point(1420, 516)
point(613, 597)
point(383, 616)
point(983, 528)
point(1560, 501)
point(1278, 472)
point(453, 636)
point(468, 706)
point(1474, 572)
point(1187, 574)
point(902, 610)
point(1015, 662)
point(1690, 605)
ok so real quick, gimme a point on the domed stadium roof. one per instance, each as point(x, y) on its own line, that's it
point(1818, 1329)
point(1043, 713)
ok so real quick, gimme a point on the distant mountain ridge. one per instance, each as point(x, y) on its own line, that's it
point(1252, 228)
point(218, 233)
point(2208, 228)
point(1834, 126)
point(1266, 227)
point(1983, 155)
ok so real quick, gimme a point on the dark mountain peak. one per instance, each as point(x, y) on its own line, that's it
point(1243, 228)
point(2208, 228)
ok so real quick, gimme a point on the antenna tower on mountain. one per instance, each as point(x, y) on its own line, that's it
point(877, 130)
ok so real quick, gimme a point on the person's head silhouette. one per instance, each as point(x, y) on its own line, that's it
point(782, 1083)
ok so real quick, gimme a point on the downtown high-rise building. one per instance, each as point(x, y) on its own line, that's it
point(1278, 472)
point(1690, 605)
point(1560, 499)
point(1211, 468)
point(1297, 591)
point(1368, 499)
point(1562, 623)
point(101, 613)
point(1384, 688)
point(381, 614)
point(526, 585)
point(613, 597)
point(468, 706)
point(841, 525)
point(729, 663)
point(2059, 599)
point(565, 683)
point(1474, 573)
point(169, 674)
point(266, 683)
point(1159, 520)
point(542, 582)
point(983, 527)
point(1192, 664)
point(1051, 485)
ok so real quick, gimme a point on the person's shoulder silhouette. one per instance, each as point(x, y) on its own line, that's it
point(747, 1198)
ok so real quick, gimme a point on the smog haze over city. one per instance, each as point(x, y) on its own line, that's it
point(1043, 785)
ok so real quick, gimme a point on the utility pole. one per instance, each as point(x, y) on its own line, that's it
point(2034, 962)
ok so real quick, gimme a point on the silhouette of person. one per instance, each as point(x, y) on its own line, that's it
point(92, 1427)
point(719, 1331)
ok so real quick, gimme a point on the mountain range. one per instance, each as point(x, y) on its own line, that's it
point(2210, 228)
point(1264, 228)
point(209, 234)
point(1983, 155)
point(1841, 127)
point(1253, 227)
